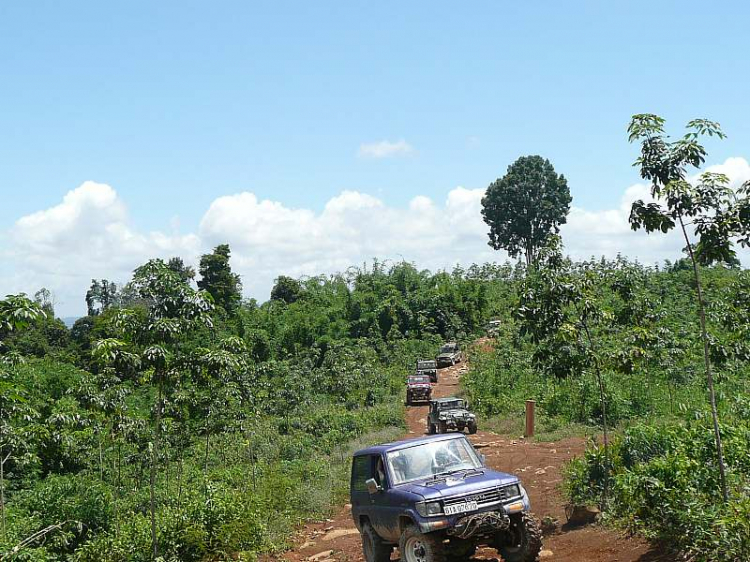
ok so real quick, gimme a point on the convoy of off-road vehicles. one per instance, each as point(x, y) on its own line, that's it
point(433, 497)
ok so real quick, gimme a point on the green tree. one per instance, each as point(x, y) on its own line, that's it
point(218, 280)
point(100, 296)
point(717, 214)
point(17, 312)
point(286, 289)
point(526, 206)
point(186, 272)
point(155, 343)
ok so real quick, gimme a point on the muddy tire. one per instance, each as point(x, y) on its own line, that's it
point(523, 541)
point(373, 547)
point(472, 428)
point(442, 427)
point(430, 429)
point(417, 547)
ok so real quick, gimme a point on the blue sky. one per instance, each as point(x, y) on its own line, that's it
point(176, 104)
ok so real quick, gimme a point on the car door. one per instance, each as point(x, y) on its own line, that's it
point(360, 497)
point(374, 507)
point(380, 503)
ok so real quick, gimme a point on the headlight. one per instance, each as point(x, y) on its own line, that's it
point(429, 509)
point(514, 491)
point(443, 417)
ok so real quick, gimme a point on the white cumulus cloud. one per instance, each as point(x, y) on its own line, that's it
point(385, 149)
point(607, 232)
point(89, 234)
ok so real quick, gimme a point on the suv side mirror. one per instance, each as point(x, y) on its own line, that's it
point(372, 486)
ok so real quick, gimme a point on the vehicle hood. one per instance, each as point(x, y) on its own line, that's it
point(456, 485)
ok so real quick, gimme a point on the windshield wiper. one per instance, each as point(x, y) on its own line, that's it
point(473, 472)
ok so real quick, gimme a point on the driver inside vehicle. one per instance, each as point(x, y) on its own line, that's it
point(380, 473)
point(452, 456)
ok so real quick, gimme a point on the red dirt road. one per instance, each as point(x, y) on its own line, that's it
point(539, 467)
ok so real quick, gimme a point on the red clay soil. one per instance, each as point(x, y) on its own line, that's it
point(539, 467)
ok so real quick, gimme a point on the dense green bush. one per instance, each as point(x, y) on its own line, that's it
point(664, 485)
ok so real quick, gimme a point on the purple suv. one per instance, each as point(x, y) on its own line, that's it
point(434, 499)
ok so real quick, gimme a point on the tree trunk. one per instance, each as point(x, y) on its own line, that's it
point(2, 487)
point(152, 478)
point(603, 400)
point(707, 361)
point(179, 482)
point(205, 459)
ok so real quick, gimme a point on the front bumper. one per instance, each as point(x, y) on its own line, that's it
point(419, 395)
point(486, 523)
point(456, 423)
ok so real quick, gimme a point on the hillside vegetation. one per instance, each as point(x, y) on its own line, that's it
point(239, 422)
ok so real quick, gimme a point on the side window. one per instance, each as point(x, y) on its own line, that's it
point(361, 471)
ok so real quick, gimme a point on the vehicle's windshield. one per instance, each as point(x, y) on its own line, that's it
point(431, 459)
point(451, 405)
point(448, 348)
point(419, 380)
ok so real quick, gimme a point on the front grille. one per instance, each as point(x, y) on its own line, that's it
point(487, 497)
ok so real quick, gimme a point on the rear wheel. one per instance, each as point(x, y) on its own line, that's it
point(472, 428)
point(442, 427)
point(418, 547)
point(523, 541)
point(373, 547)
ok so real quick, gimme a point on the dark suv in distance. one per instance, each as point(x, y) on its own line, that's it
point(434, 498)
point(447, 414)
point(449, 355)
point(427, 367)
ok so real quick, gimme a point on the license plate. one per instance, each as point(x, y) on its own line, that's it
point(460, 508)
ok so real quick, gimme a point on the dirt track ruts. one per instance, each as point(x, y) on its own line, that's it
point(538, 465)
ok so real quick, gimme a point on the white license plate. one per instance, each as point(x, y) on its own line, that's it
point(460, 508)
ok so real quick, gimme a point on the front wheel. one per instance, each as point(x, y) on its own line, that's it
point(373, 547)
point(431, 429)
point(418, 547)
point(442, 427)
point(523, 541)
point(472, 428)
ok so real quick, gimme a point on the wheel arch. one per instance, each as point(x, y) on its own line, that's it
point(405, 521)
